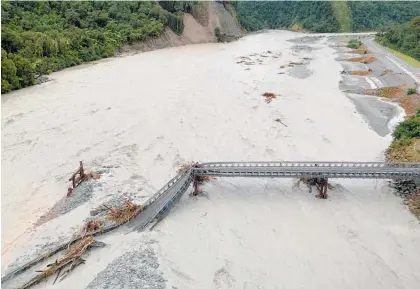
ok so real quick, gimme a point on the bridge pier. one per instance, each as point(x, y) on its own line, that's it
point(195, 186)
point(323, 188)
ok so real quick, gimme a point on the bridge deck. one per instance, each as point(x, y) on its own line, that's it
point(370, 170)
point(161, 202)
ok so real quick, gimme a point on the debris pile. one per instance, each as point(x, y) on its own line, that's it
point(119, 212)
point(410, 191)
point(124, 214)
point(91, 226)
point(186, 167)
point(361, 72)
point(361, 50)
point(389, 91)
point(269, 96)
point(386, 71)
point(80, 176)
point(279, 121)
point(64, 265)
point(362, 59)
point(106, 218)
point(293, 63)
point(257, 58)
point(321, 184)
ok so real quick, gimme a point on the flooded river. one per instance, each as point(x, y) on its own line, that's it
point(142, 116)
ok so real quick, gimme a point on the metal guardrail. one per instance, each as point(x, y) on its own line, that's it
point(163, 200)
point(369, 170)
point(309, 164)
point(164, 189)
point(308, 174)
point(184, 182)
point(176, 196)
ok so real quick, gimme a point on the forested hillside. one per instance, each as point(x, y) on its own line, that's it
point(325, 16)
point(404, 38)
point(40, 37)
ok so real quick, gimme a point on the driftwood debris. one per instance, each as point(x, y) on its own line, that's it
point(320, 183)
point(269, 96)
point(80, 176)
point(386, 71)
point(199, 180)
point(90, 229)
point(124, 214)
point(279, 120)
point(71, 260)
point(185, 167)
point(92, 226)
point(362, 59)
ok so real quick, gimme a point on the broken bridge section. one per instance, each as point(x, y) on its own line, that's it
point(161, 202)
point(156, 208)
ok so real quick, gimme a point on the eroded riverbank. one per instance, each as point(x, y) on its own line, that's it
point(146, 114)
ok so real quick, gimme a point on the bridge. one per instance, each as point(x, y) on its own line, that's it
point(161, 202)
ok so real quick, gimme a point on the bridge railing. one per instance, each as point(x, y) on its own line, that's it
point(310, 164)
point(363, 173)
point(164, 189)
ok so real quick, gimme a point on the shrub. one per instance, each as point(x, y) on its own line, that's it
point(354, 44)
point(408, 129)
point(411, 91)
point(218, 34)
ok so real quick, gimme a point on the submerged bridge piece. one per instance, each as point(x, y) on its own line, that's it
point(162, 201)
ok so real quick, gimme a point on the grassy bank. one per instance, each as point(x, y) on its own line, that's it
point(406, 148)
point(406, 143)
point(410, 60)
point(402, 39)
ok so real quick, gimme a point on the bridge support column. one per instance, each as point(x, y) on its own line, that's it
point(195, 186)
point(323, 188)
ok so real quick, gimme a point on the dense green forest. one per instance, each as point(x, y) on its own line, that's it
point(325, 16)
point(40, 37)
point(45, 36)
point(404, 38)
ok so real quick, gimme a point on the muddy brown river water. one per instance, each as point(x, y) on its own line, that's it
point(142, 116)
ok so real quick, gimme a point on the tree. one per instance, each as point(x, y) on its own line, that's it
point(41, 37)
point(404, 37)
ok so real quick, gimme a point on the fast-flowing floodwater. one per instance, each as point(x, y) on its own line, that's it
point(146, 114)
